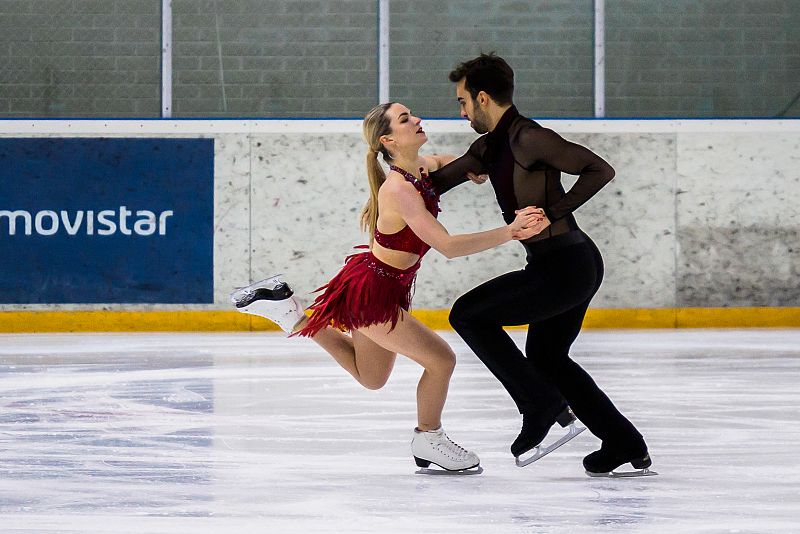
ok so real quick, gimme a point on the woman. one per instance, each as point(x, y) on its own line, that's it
point(371, 295)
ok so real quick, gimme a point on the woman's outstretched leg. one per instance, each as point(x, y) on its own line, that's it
point(273, 299)
point(367, 362)
point(369, 356)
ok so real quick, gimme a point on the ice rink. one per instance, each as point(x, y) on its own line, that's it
point(251, 432)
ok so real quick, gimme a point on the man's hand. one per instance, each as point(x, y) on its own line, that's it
point(477, 178)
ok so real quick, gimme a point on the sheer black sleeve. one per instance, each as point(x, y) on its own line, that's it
point(455, 172)
point(535, 147)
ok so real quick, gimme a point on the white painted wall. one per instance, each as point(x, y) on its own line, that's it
point(701, 213)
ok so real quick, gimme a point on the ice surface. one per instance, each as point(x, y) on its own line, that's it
point(253, 432)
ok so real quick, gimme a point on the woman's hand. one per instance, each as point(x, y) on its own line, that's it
point(528, 222)
point(526, 218)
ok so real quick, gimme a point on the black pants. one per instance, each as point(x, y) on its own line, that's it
point(551, 295)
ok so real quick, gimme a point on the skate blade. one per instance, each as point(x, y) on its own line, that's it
point(624, 474)
point(540, 452)
point(462, 473)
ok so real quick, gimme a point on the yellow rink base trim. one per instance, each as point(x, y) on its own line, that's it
point(215, 321)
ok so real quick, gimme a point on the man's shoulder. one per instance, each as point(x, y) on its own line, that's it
point(524, 131)
point(524, 123)
point(478, 146)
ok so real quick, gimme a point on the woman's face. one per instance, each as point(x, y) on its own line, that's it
point(406, 130)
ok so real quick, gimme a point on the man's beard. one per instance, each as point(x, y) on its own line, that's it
point(479, 122)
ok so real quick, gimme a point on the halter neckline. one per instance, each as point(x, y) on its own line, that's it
point(407, 175)
point(406, 240)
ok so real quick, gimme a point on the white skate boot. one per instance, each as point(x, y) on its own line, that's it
point(434, 447)
point(272, 299)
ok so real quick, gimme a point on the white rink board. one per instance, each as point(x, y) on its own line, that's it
point(701, 213)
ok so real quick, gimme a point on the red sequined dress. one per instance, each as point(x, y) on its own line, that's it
point(367, 291)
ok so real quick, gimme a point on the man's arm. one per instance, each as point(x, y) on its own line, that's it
point(541, 145)
point(437, 161)
point(457, 171)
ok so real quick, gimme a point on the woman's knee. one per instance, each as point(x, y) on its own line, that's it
point(443, 364)
point(374, 382)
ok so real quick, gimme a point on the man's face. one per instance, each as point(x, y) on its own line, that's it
point(470, 109)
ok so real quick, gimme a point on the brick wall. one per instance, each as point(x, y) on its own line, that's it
point(278, 59)
point(702, 58)
point(547, 43)
point(316, 58)
point(80, 58)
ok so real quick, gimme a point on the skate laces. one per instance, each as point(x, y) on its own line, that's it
point(444, 441)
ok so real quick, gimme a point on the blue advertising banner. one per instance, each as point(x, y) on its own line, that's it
point(87, 220)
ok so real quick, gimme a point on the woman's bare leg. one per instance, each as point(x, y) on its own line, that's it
point(369, 363)
point(413, 339)
point(370, 353)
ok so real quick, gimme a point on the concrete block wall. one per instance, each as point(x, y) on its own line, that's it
point(80, 58)
point(685, 58)
point(549, 45)
point(315, 58)
point(266, 58)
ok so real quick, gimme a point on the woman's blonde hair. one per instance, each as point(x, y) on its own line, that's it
point(376, 124)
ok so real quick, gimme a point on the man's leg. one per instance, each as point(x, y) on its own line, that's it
point(547, 348)
point(479, 317)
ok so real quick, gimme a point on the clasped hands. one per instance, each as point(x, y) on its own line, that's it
point(477, 178)
point(528, 222)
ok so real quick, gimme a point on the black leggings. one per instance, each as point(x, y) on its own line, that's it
point(551, 295)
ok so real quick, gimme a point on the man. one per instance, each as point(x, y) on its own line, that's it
point(563, 272)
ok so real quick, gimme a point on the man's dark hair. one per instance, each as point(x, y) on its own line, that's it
point(488, 73)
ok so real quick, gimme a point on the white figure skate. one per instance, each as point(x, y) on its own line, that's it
point(434, 447)
point(271, 298)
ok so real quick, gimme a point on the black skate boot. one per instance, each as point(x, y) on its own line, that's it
point(566, 417)
point(603, 462)
point(532, 434)
point(534, 431)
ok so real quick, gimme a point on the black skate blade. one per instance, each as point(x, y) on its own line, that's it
point(477, 470)
point(646, 472)
point(540, 452)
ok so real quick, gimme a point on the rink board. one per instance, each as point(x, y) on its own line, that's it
point(208, 321)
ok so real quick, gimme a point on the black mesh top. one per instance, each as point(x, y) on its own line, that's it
point(524, 162)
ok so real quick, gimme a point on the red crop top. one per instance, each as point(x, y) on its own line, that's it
point(406, 240)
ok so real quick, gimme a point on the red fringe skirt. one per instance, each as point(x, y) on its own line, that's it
point(364, 292)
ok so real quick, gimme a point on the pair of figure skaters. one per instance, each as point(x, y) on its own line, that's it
point(371, 295)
